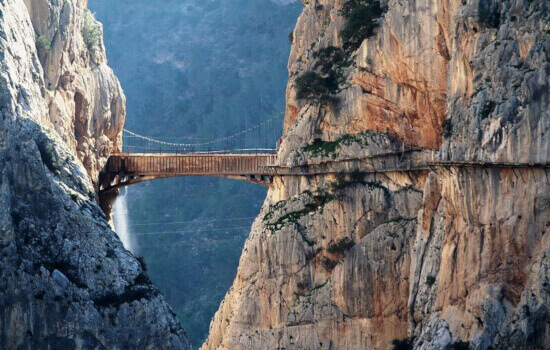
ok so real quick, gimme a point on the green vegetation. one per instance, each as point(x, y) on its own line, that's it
point(403, 344)
point(341, 247)
point(320, 148)
point(50, 157)
point(91, 31)
point(331, 61)
point(362, 19)
point(43, 42)
point(291, 37)
point(430, 280)
point(313, 87)
point(329, 149)
point(317, 201)
point(347, 180)
point(323, 82)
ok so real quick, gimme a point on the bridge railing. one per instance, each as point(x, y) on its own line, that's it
point(127, 149)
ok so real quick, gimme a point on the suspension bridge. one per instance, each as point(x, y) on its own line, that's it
point(153, 158)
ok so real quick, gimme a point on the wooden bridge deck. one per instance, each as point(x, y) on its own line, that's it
point(126, 169)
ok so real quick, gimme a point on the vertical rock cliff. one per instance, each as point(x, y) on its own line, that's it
point(66, 281)
point(444, 257)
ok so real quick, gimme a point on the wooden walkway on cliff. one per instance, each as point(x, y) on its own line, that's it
point(126, 169)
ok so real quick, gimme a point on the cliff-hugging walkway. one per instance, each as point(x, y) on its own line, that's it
point(126, 169)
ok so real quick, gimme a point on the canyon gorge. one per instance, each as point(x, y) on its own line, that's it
point(448, 256)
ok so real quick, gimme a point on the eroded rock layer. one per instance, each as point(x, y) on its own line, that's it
point(434, 258)
point(66, 281)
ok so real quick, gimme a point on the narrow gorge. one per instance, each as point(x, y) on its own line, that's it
point(355, 246)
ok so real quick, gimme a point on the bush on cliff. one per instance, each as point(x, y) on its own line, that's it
point(91, 31)
point(43, 42)
point(313, 87)
point(362, 19)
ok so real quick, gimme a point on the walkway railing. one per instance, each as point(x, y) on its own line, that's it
point(260, 166)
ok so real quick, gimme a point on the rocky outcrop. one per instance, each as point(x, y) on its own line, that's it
point(85, 103)
point(449, 257)
point(66, 281)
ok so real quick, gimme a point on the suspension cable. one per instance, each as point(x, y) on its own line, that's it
point(160, 142)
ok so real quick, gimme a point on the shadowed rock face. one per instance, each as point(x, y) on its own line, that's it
point(66, 281)
point(441, 256)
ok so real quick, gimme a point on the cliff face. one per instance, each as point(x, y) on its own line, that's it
point(430, 257)
point(85, 103)
point(66, 281)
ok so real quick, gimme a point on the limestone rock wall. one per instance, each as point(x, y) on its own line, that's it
point(66, 281)
point(85, 103)
point(431, 258)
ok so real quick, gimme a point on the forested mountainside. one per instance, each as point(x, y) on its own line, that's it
point(195, 71)
point(66, 281)
point(445, 257)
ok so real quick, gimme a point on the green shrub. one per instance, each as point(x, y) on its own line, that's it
point(323, 148)
point(320, 148)
point(324, 81)
point(403, 344)
point(50, 157)
point(291, 37)
point(362, 19)
point(91, 31)
point(43, 42)
point(330, 60)
point(312, 87)
point(430, 280)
